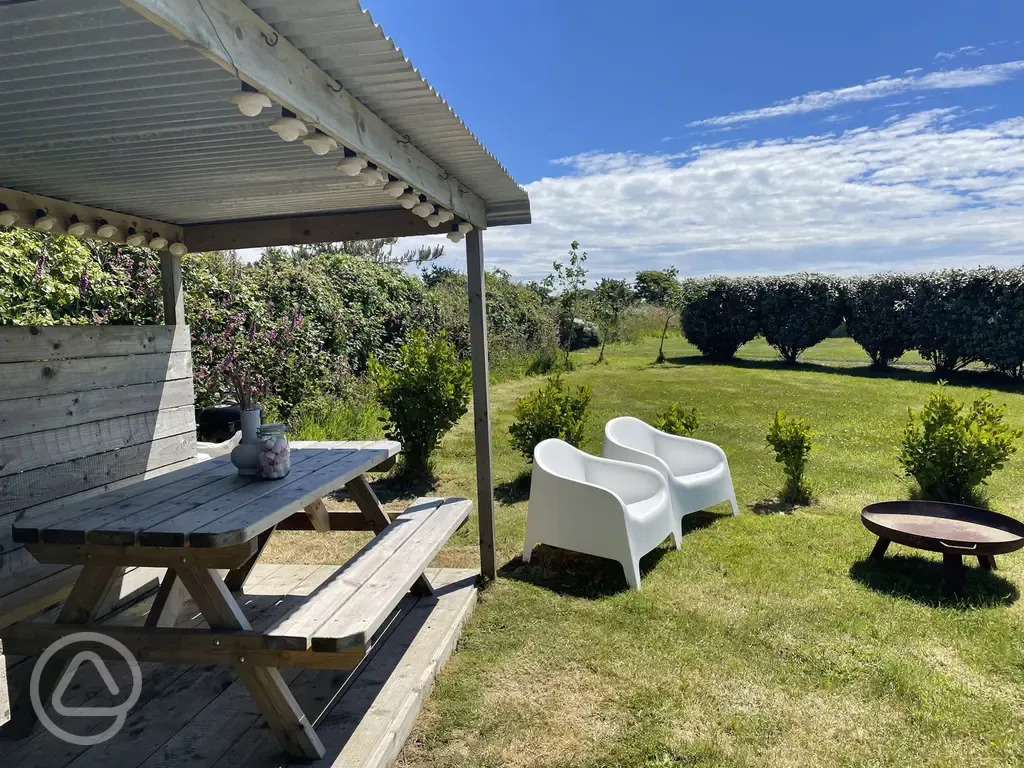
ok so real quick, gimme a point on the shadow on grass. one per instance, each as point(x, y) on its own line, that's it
point(397, 486)
point(574, 574)
point(983, 379)
point(512, 491)
point(773, 507)
point(921, 579)
point(696, 521)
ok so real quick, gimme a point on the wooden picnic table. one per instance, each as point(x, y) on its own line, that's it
point(206, 517)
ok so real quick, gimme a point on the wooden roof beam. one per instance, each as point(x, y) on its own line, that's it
point(236, 38)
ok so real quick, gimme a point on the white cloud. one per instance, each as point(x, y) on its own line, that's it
point(963, 50)
point(879, 88)
point(919, 192)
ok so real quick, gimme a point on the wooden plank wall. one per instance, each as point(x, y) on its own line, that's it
point(84, 409)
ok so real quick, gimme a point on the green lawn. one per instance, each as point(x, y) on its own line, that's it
point(766, 641)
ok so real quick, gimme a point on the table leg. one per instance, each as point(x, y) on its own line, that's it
point(364, 497)
point(954, 565)
point(237, 576)
point(987, 562)
point(168, 601)
point(282, 712)
point(80, 608)
point(880, 548)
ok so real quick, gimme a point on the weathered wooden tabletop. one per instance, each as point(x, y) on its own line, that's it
point(205, 505)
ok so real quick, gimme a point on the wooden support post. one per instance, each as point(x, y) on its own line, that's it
point(481, 401)
point(319, 516)
point(281, 712)
point(174, 296)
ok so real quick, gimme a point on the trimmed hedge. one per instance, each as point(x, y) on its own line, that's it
point(952, 317)
point(721, 316)
point(799, 311)
point(879, 317)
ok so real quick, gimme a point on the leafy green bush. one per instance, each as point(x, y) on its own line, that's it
point(1000, 325)
point(790, 438)
point(555, 410)
point(878, 316)
point(948, 313)
point(425, 392)
point(722, 317)
point(677, 420)
point(951, 451)
point(799, 311)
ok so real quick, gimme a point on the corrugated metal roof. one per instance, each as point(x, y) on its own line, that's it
point(103, 108)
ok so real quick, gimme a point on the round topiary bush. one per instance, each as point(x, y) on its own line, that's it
point(878, 316)
point(722, 317)
point(799, 311)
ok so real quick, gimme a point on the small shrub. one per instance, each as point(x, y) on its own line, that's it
point(425, 392)
point(722, 317)
point(677, 420)
point(555, 410)
point(791, 440)
point(799, 311)
point(950, 450)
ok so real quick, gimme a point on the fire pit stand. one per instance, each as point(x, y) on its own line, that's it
point(954, 530)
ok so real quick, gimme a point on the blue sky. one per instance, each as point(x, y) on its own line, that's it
point(740, 137)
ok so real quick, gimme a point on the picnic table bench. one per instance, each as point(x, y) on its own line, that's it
point(202, 519)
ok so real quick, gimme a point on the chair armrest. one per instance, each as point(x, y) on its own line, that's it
point(687, 455)
point(629, 482)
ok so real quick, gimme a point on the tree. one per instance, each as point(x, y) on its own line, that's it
point(611, 299)
point(568, 281)
point(660, 288)
point(378, 251)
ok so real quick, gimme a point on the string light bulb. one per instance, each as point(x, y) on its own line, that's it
point(8, 218)
point(158, 243)
point(105, 229)
point(371, 175)
point(351, 164)
point(395, 188)
point(44, 222)
point(79, 228)
point(137, 239)
point(465, 227)
point(434, 219)
point(407, 200)
point(423, 208)
point(288, 126)
point(445, 215)
point(320, 143)
point(249, 101)
point(178, 250)
point(455, 236)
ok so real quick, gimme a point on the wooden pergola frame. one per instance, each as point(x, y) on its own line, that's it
point(234, 37)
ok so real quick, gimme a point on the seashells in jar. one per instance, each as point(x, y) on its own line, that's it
point(274, 458)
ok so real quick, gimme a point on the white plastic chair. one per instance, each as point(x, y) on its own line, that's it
point(596, 506)
point(697, 471)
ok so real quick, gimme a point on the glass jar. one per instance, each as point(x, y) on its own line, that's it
point(274, 457)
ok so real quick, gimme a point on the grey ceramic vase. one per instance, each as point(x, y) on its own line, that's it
point(244, 455)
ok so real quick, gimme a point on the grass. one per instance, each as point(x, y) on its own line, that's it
point(768, 640)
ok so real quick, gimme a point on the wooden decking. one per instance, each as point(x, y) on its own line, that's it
point(203, 716)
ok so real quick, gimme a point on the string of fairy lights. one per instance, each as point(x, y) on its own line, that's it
point(289, 127)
